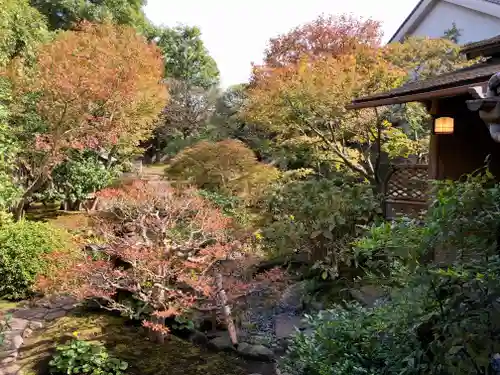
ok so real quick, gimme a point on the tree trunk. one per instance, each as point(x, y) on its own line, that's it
point(19, 211)
point(226, 310)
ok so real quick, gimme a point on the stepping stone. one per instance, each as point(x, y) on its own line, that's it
point(17, 342)
point(18, 324)
point(258, 352)
point(286, 325)
point(35, 324)
point(11, 370)
point(55, 314)
point(35, 313)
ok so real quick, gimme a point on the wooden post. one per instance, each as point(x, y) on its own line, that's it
point(226, 310)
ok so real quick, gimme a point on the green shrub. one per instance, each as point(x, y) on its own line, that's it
point(5, 320)
point(227, 166)
point(319, 218)
point(443, 318)
point(22, 249)
point(74, 179)
point(355, 340)
point(81, 357)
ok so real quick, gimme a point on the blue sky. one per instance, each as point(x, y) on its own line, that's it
point(236, 32)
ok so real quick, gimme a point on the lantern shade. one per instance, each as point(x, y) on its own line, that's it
point(444, 125)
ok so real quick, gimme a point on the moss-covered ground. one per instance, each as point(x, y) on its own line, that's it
point(127, 342)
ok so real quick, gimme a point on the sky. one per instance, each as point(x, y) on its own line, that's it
point(236, 32)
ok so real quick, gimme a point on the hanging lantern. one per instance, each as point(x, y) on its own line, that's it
point(444, 125)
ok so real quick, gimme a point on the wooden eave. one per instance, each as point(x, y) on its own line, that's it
point(415, 97)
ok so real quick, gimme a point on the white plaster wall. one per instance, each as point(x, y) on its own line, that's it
point(474, 25)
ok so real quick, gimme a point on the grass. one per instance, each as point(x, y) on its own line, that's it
point(7, 305)
point(129, 343)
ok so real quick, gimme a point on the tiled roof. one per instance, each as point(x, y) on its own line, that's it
point(473, 74)
point(481, 43)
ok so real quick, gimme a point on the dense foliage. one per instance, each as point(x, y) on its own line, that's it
point(67, 14)
point(228, 166)
point(318, 218)
point(22, 28)
point(79, 177)
point(23, 247)
point(161, 245)
point(77, 108)
point(442, 317)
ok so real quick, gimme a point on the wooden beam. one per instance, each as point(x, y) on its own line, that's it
point(414, 97)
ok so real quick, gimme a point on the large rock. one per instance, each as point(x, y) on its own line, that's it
point(258, 352)
point(367, 295)
point(222, 342)
point(286, 325)
point(18, 324)
point(292, 298)
point(55, 314)
point(198, 338)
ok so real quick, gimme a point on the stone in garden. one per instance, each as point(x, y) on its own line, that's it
point(293, 296)
point(36, 324)
point(10, 359)
point(27, 332)
point(222, 343)
point(12, 370)
point(7, 353)
point(56, 314)
point(367, 295)
point(198, 338)
point(18, 324)
point(17, 342)
point(258, 352)
point(35, 313)
point(287, 325)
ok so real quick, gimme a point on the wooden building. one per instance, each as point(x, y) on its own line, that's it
point(464, 133)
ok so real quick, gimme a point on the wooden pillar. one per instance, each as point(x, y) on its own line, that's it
point(434, 157)
point(433, 109)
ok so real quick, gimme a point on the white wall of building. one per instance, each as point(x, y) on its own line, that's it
point(473, 25)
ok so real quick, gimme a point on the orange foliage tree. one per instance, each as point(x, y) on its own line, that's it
point(325, 36)
point(307, 102)
point(99, 87)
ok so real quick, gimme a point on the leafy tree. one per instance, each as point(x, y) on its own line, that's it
point(453, 33)
point(167, 261)
point(325, 36)
point(22, 28)
point(67, 14)
point(309, 100)
point(186, 57)
point(424, 58)
point(228, 166)
point(96, 88)
point(184, 119)
point(82, 174)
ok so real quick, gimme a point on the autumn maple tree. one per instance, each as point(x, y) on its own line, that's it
point(323, 37)
point(163, 248)
point(308, 102)
point(99, 87)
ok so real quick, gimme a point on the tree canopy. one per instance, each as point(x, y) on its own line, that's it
point(325, 36)
point(66, 14)
point(21, 28)
point(186, 57)
point(78, 108)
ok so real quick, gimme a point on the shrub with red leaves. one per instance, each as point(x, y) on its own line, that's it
point(161, 248)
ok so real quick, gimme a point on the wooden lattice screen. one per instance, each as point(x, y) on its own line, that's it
point(406, 190)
